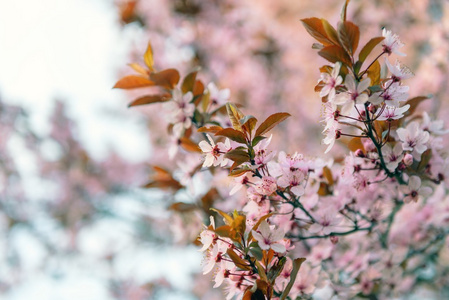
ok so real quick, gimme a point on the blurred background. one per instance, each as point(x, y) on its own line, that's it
point(74, 222)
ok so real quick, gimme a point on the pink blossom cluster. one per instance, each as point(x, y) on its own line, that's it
point(367, 224)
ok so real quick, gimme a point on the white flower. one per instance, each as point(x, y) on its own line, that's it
point(332, 133)
point(391, 43)
point(394, 93)
point(269, 238)
point(327, 218)
point(413, 139)
point(414, 191)
point(266, 186)
point(217, 97)
point(391, 113)
point(215, 153)
point(392, 156)
point(398, 72)
point(433, 126)
point(294, 180)
point(354, 95)
point(331, 81)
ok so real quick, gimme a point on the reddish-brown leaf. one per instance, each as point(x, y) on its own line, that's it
point(150, 99)
point(349, 36)
point(212, 129)
point(189, 145)
point(271, 122)
point(234, 115)
point(335, 54)
point(132, 82)
point(168, 78)
point(236, 136)
point(366, 50)
point(315, 28)
point(355, 144)
point(189, 82)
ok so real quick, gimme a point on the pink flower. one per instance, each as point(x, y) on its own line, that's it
point(326, 219)
point(413, 139)
point(294, 180)
point(414, 191)
point(391, 43)
point(214, 153)
point(269, 238)
point(266, 186)
point(394, 93)
point(331, 81)
point(217, 97)
point(354, 95)
point(392, 156)
point(398, 72)
point(390, 113)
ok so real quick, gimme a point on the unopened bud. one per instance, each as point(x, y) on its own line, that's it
point(334, 239)
point(359, 153)
point(408, 159)
point(337, 134)
point(371, 108)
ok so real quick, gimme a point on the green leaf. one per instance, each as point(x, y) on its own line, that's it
point(274, 272)
point(425, 158)
point(335, 54)
point(366, 50)
point(261, 271)
point(375, 88)
point(349, 35)
point(315, 28)
point(236, 136)
point(257, 139)
point(296, 265)
point(271, 122)
point(237, 155)
point(256, 252)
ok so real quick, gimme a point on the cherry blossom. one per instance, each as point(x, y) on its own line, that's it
point(413, 139)
point(413, 191)
point(391, 43)
point(393, 156)
point(215, 153)
point(269, 238)
point(331, 81)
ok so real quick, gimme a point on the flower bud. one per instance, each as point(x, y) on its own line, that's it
point(371, 108)
point(408, 159)
point(334, 239)
point(359, 153)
